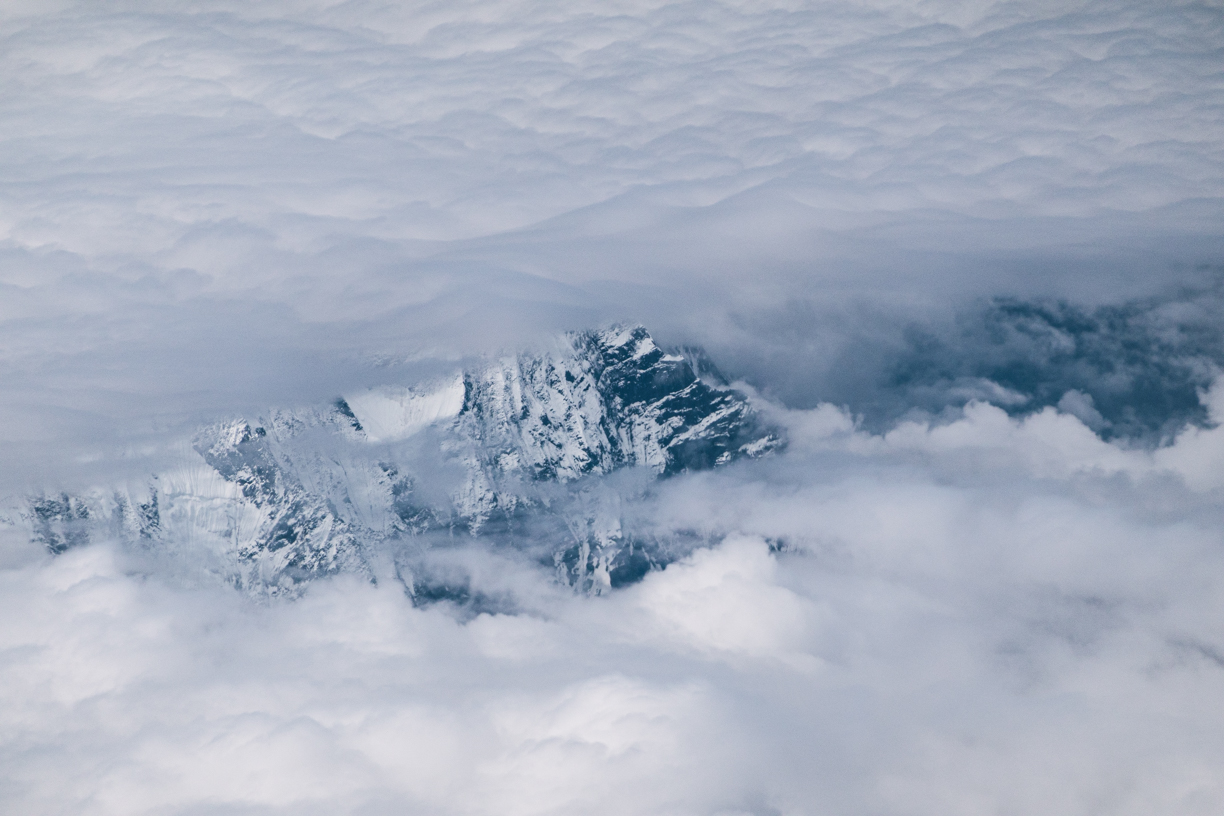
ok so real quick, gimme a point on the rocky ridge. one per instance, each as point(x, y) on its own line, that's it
point(517, 450)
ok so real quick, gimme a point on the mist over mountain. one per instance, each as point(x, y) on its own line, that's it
point(1132, 370)
point(492, 407)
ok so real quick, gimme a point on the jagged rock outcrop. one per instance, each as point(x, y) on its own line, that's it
point(516, 450)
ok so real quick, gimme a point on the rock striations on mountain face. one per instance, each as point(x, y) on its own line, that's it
point(516, 450)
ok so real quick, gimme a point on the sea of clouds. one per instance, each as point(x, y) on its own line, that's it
point(940, 599)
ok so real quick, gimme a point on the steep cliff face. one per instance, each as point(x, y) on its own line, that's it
point(517, 450)
point(601, 401)
point(291, 522)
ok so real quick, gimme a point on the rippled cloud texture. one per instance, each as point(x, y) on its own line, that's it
point(213, 207)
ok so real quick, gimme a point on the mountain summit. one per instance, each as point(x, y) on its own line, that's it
point(517, 450)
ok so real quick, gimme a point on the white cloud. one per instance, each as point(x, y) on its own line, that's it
point(214, 206)
point(937, 636)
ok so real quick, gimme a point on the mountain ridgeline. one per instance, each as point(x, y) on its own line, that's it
point(535, 452)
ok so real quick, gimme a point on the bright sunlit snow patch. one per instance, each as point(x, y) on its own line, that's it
point(389, 414)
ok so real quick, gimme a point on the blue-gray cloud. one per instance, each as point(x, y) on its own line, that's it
point(212, 207)
point(417, 171)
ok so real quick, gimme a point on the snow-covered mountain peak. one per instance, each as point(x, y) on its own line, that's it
point(300, 493)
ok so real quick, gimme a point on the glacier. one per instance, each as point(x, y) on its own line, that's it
point(534, 452)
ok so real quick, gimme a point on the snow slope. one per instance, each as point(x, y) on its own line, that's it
point(513, 449)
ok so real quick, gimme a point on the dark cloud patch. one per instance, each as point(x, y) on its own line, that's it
point(1135, 370)
point(1129, 367)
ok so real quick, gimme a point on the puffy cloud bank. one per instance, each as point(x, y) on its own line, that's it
point(995, 615)
point(214, 206)
point(997, 592)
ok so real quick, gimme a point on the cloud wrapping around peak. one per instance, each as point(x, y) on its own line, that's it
point(943, 623)
point(968, 253)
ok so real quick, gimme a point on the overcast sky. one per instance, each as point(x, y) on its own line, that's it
point(209, 208)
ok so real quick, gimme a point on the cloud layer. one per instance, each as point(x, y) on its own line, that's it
point(991, 615)
point(222, 205)
point(213, 207)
